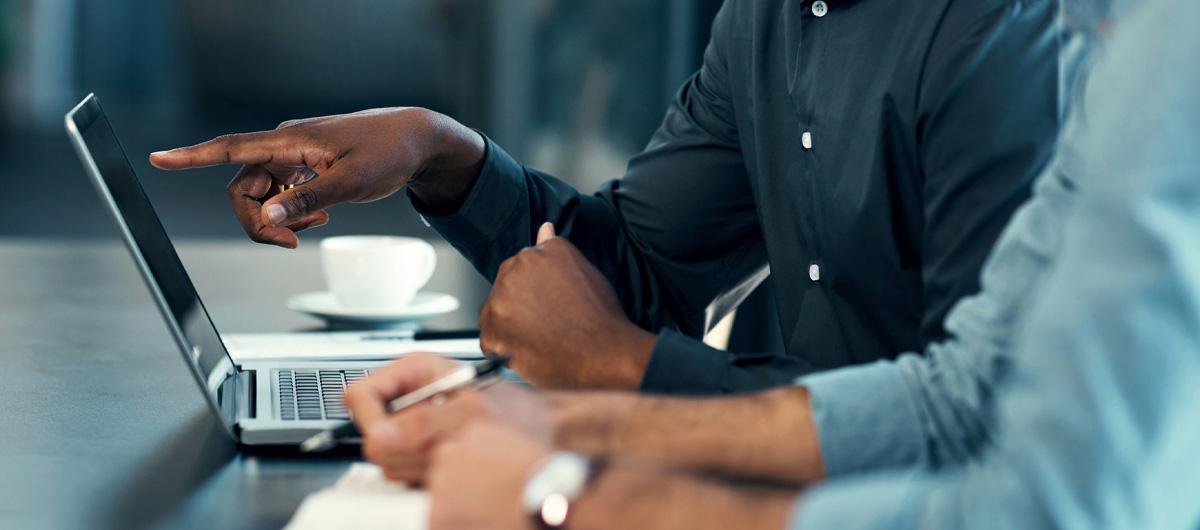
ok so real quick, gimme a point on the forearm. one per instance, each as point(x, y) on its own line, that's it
point(768, 436)
point(492, 211)
point(629, 496)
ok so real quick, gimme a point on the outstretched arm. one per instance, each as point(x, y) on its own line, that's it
point(357, 157)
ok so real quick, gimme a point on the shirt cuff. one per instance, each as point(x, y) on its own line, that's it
point(865, 418)
point(490, 207)
point(682, 365)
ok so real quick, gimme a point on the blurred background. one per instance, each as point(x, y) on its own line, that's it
point(571, 86)
point(574, 87)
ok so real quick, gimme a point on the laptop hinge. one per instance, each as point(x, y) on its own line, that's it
point(247, 391)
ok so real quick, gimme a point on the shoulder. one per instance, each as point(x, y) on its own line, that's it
point(962, 19)
point(740, 17)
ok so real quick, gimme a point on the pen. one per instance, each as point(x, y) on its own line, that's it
point(422, 335)
point(461, 378)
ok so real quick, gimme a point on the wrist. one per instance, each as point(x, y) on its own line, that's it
point(588, 423)
point(452, 160)
point(792, 406)
point(630, 349)
point(798, 461)
point(554, 485)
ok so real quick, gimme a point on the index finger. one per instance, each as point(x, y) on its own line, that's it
point(245, 148)
point(367, 399)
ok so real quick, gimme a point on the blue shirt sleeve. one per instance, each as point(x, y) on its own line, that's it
point(1096, 412)
point(939, 409)
point(941, 403)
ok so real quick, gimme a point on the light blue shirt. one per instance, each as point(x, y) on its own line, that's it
point(1070, 395)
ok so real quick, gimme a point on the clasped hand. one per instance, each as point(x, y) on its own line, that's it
point(558, 318)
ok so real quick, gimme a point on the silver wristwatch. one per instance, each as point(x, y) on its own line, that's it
point(553, 486)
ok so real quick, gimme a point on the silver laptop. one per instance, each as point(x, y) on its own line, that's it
point(259, 401)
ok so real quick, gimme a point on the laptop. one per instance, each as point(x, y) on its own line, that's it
point(263, 399)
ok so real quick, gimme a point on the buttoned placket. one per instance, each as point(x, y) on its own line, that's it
point(819, 9)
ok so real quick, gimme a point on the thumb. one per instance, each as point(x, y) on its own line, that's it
point(545, 232)
point(327, 189)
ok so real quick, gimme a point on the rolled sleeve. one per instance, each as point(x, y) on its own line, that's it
point(854, 431)
point(1096, 412)
point(938, 407)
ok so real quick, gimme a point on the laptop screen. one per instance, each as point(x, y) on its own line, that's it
point(169, 283)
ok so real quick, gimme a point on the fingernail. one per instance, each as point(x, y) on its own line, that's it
point(275, 214)
point(158, 153)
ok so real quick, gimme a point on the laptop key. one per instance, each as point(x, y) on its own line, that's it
point(314, 394)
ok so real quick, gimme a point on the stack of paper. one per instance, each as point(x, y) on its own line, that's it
point(363, 499)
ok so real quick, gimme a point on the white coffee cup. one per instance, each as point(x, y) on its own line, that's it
point(376, 272)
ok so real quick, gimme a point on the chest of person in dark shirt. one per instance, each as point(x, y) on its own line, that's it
point(869, 151)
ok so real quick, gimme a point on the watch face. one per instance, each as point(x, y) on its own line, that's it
point(562, 477)
point(554, 510)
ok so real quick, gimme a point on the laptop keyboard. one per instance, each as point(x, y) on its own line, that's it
point(314, 394)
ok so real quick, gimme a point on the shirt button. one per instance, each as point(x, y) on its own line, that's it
point(806, 140)
point(819, 8)
point(814, 272)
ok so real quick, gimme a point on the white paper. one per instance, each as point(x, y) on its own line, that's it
point(363, 499)
point(341, 346)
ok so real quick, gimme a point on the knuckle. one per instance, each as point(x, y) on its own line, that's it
point(228, 143)
point(494, 311)
point(506, 265)
point(499, 315)
point(558, 248)
point(304, 200)
point(486, 340)
point(352, 395)
point(491, 345)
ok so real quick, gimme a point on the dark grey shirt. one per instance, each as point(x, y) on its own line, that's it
point(871, 155)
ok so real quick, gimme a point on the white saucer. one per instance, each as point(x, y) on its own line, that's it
point(323, 305)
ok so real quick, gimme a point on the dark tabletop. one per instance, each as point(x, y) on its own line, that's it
point(100, 426)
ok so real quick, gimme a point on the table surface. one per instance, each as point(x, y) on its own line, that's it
point(102, 427)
